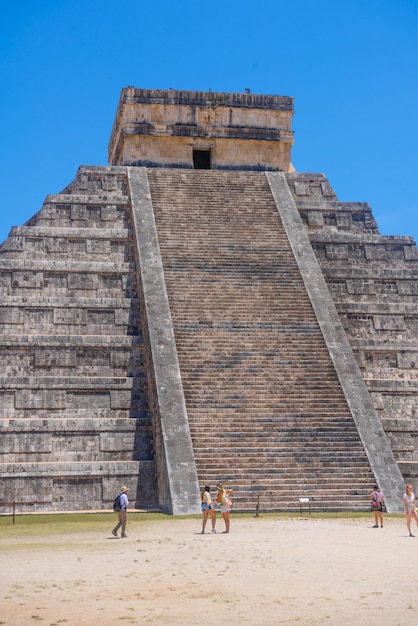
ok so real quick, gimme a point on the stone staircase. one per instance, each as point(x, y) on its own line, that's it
point(266, 411)
point(74, 416)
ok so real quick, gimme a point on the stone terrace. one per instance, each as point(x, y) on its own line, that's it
point(74, 417)
point(373, 280)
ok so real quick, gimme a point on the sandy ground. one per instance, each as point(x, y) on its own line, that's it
point(266, 571)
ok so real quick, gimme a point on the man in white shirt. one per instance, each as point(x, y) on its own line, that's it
point(122, 514)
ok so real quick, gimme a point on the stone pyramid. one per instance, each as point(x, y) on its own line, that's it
point(199, 312)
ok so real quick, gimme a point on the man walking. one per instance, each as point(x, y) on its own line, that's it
point(122, 513)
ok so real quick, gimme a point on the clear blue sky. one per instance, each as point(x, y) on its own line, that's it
point(351, 67)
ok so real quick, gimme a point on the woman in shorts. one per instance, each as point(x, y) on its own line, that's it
point(207, 509)
point(409, 506)
point(223, 498)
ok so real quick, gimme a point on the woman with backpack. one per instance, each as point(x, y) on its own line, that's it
point(376, 496)
point(121, 511)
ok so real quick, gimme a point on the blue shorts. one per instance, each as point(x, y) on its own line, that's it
point(206, 507)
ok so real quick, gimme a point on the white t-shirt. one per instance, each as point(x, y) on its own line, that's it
point(410, 501)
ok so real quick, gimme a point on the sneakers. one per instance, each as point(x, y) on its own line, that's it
point(114, 533)
point(411, 535)
point(124, 536)
point(203, 532)
point(375, 526)
point(214, 530)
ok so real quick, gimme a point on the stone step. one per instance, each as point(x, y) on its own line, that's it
point(99, 200)
point(19, 301)
point(124, 383)
point(73, 341)
point(285, 445)
point(112, 232)
point(28, 270)
point(62, 469)
point(69, 423)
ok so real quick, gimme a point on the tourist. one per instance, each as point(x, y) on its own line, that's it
point(409, 506)
point(207, 509)
point(223, 498)
point(376, 496)
point(122, 514)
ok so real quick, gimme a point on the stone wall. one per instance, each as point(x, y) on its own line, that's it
point(241, 131)
point(374, 283)
point(74, 416)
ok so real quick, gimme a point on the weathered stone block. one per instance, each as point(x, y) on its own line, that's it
point(343, 220)
point(59, 245)
point(407, 287)
point(101, 318)
point(55, 357)
point(39, 443)
point(302, 189)
point(73, 446)
point(121, 399)
point(92, 400)
point(407, 360)
point(361, 286)
point(117, 442)
point(71, 317)
point(78, 212)
point(375, 253)
point(38, 318)
point(119, 359)
point(315, 219)
point(337, 251)
point(389, 322)
point(40, 399)
point(82, 281)
point(122, 317)
point(12, 315)
point(98, 246)
point(26, 490)
point(109, 183)
point(109, 213)
point(27, 279)
point(69, 492)
point(54, 282)
point(7, 401)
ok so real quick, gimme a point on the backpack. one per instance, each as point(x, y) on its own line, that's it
point(116, 503)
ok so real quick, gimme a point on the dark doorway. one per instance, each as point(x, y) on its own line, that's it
point(201, 159)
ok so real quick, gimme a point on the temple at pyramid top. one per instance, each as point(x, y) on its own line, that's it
point(202, 130)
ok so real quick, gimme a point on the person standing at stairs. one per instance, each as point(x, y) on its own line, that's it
point(207, 509)
point(223, 498)
point(122, 514)
point(410, 508)
point(376, 496)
